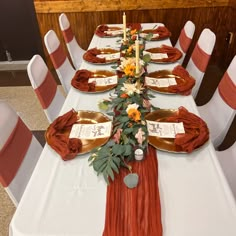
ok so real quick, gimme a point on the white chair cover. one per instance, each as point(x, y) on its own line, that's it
point(217, 113)
point(185, 38)
point(65, 71)
point(206, 43)
point(75, 51)
point(227, 159)
point(8, 122)
point(37, 71)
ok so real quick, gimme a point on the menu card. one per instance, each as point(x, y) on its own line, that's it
point(104, 81)
point(109, 57)
point(160, 82)
point(156, 56)
point(164, 129)
point(113, 32)
point(144, 35)
point(91, 131)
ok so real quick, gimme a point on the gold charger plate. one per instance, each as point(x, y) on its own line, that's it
point(164, 144)
point(152, 31)
point(88, 117)
point(162, 61)
point(111, 28)
point(103, 51)
point(101, 74)
point(161, 74)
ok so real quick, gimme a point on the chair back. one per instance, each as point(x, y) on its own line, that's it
point(220, 111)
point(75, 51)
point(227, 159)
point(45, 87)
point(19, 153)
point(200, 57)
point(185, 39)
point(59, 59)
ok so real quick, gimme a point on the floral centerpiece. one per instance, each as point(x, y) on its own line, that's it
point(128, 105)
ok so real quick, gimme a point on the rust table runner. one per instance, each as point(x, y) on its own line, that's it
point(137, 211)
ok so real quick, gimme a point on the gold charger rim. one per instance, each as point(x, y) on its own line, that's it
point(164, 144)
point(102, 88)
point(160, 90)
point(92, 143)
point(110, 27)
point(102, 52)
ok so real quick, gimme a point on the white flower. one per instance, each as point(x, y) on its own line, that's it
point(132, 106)
point(130, 89)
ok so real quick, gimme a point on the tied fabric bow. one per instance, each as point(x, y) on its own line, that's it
point(58, 136)
point(91, 56)
point(100, 31)
point(196, 130)
point(80, 81)
point(162, 31)
point(185, 87)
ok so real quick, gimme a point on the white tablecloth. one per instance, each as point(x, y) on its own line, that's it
point(68, 198)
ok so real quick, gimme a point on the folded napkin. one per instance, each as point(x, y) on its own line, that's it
point(137, 211)
point(173, 53)
point(100, 31)
point(58, 136)
point(184, 88)
point(134, 26)
point(91, 56)
point(162, 31)
point(80, 81)
point(196, 130)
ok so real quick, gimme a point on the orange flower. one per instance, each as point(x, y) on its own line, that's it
point(130, 70)
point(124, 95)
point(129, 50)
point(132, 32)
point(134, 114)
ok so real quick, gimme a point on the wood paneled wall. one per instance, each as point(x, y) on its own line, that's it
point(216, 15)
point(55, 6)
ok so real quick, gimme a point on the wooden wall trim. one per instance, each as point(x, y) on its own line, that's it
point(42, 6)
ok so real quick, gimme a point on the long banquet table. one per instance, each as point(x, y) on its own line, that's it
point(68, 198)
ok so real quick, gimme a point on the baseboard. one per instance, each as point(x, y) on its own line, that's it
point(13, 65)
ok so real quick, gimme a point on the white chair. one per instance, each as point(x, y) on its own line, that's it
point(185, 39)
point(227, 159)
point(19, 152)
point(200, 57)
point(45, 87)
point(219, 112)
point(75, 51)
point(60, 61)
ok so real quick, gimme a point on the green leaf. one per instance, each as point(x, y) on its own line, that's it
point(124, 119)
point(131, 180)
point(110, 172)
point(128, 150)
point(147, 58)
point(118, 149)
point(114, 166)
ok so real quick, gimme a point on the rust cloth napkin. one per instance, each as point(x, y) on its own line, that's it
point(80, 81)
point(184, 88)
point(91, 56)
point(161, 30)
point(174, 54)
point(137, 211)
point(58, 136)
point(196, 130)
point(134, 26)
point(100, 31)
